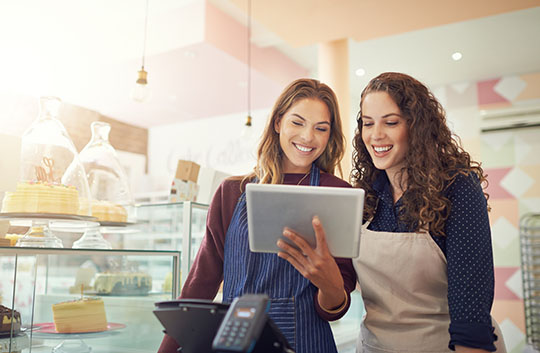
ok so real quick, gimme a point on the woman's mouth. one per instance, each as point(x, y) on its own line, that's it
point(380, 150)
point(302, 148)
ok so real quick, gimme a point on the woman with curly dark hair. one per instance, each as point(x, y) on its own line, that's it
point(426, 266)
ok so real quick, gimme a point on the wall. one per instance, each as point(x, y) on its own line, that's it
point(511, 159)
point(219, 143)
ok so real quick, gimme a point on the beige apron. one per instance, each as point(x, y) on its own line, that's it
point(404, 286)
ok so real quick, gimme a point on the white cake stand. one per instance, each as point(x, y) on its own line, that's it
point(92, 239)
point(39, 235)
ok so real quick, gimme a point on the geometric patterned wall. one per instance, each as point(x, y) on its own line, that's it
point(511, 158)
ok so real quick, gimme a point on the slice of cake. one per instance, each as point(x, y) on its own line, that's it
point(108, 211)
point(12, 237)
point(123, 283)
point(10, 318)
point(84, 315)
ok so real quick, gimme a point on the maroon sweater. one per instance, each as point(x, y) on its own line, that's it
point(206, 274)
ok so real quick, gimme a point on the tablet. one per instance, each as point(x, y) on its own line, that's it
point(271, 207)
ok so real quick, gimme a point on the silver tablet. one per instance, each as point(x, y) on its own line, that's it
point(272, 207)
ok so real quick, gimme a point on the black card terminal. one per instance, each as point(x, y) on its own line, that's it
point(242, 324)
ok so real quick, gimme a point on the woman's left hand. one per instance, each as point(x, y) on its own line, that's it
point(315, 264)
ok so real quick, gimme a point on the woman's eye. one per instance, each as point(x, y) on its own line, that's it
point(391, 123)
point(367, 123)
point(297, 123)
point(322, 129)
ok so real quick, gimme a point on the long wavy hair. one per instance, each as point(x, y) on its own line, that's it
point(434, 158)
point(269, 168)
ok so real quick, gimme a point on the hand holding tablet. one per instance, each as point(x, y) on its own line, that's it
point(272, 207)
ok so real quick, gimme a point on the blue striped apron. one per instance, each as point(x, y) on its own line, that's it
point(291, 294)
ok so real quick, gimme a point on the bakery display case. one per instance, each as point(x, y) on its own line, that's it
point(168, 226)
point(84, 300)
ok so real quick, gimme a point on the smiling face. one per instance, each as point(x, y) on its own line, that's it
point(384, 132)
point(303, 131)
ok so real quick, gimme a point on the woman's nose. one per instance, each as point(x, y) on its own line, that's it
point(306, 134)
point(378, 131)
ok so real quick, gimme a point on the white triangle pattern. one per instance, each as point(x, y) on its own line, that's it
point(510, 87)
point(512, 334)
point(503, 232)
point(515, 284)
point(517, 182)
point(460, 87)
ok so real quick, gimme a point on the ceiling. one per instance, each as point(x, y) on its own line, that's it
point(88, 52)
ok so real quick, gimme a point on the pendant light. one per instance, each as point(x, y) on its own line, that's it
point(247, 131)
point(141, 91)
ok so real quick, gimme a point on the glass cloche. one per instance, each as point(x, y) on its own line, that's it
point(111, 195)
point(52, 182)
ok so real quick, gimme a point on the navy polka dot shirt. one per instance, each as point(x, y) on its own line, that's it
point(467, 247)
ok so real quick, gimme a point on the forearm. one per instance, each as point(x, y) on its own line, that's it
point(349, 282)
point(333, 299)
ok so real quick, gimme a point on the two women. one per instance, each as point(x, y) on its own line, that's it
point(425, 268)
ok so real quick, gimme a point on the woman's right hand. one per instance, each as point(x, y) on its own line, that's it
point(315, 264)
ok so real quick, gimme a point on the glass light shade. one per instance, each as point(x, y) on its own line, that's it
point(107, 179)
point(141, 91)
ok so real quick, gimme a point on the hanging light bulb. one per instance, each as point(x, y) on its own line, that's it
point(141, 91)
point(247, 130)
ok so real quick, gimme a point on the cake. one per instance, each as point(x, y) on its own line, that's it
point(42, 197)
point(108, 211)
point(83, 315)
point(10, 318)
point(13, 238)
point(122, 283)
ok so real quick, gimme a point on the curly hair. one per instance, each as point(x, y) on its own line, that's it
point(269, 153)
point(434, 158)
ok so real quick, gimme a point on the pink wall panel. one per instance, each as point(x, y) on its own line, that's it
point(502, 292)
point(487, 95)
point(495, 190)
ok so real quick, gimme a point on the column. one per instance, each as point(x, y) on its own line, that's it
point(333, 70)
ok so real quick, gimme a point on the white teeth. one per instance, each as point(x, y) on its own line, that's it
point(304, 149)
point(382, 149)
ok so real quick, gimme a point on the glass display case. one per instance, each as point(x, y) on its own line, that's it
point(128, 282)
point(164, 226)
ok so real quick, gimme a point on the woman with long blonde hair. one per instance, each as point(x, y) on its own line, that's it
point(302, 144)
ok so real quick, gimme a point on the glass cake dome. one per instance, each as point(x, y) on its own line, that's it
point(107, 180)
point(52, 179)
point(111, 196)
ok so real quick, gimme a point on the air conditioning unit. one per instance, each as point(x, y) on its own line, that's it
point(516, 117)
